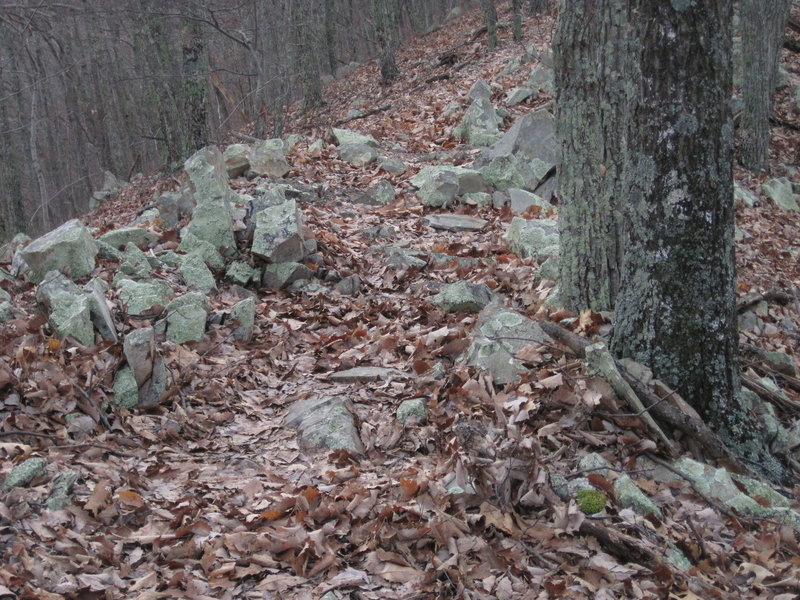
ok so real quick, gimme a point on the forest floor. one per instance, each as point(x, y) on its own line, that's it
point(208, 495)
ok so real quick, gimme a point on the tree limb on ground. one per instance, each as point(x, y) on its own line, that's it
point(691, 426)
point(783, 123)
point(774, 295)
point(364, 115)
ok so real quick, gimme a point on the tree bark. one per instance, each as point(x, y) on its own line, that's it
point(490, 20)
point(763, 31)
point(516, 8)
point(386, 27)
point(596, 75)
point(305, 37)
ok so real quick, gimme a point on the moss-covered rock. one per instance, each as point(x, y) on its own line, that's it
point(591, 501)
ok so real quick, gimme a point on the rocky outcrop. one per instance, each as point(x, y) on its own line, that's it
point(70, 249)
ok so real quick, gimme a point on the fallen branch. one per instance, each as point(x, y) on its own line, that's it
point(364, 115)
point(783, 123)
point(774, 295)
point(767, 394)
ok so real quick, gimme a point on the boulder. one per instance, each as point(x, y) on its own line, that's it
point(498, 335)
point(277, 234)
point(119, 238)
point(480, 90)
point(95, 291)
point(196, 274)
point(325, 423)
point(243, 314)
point(241, 273)
point(780, 191)
point(521, 200)
point(517, 95)
point(237, 159)
point(356, 148)
point(69, 248)
point(744, 196)
point(630, 496)
point(537, 238)
point(69, 313)
point(192, 244)
point(281, 275)
point(381, 193)
point(455, 222)
point(480, 125)
point(348, 136)
point(212, 218)
point(393, 165)
point(438, 186)
point(464, 296)
point(267, 159)
point(186, 318)
point(135, 263)
point(145, 297)
point(174, 206)
point(525, 154)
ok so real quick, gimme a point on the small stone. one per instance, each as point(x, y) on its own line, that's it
point(61, 491)
point(186, 318)
point(281, 275)
point(412, 412)
point(464, 296)
point(119, 238)
point(139, 298)
point(241, 273)
point(126, 392)
point(25, 472)
point(455, 222)
point(349, 286)
point(630, 496)
point(364, 374)
point(243, 313)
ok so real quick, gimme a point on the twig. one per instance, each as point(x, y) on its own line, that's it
point(364, 115)
point(30, 433)
point(96, 445)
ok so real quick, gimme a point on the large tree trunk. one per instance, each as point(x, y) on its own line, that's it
point(596, 69)
point(763, 31)
point(676, 307)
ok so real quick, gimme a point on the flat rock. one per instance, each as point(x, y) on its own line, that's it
point(363, 374)
point(455, 222)
point(325, 423)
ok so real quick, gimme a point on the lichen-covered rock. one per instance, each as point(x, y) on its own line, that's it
point(139, 348)
point(393, 165)
point(536, 238)
point(186, 318)
point(25, 472)
point(525, 154)
point(267, 159)
point(140, 297)
point(464, 296)
point(212, 218)
point(521, 200)
point(594, 463)
point(69, 248)
point(780, 191)
point(237, 159)
point(381, 193)
point(174, 206)
point(325, 423)
point(438, 185)
point(480, 125)
point(6, 311)
point(477, 199)
point(412, 412)
point(498, 335)
point(241, 273)
point(135, 263)
point(278, 233)
point(69, 313)
point(744, 195)
point(480, 90)
point(119, 238)
point(126, 392)
point(95, 291)
point(455, 222)
point(281, 275)
point(355, 148)
point(348, 286)
point(196, 274)
point(191, 244)
point(630, 496)
point(348, 136)
point(518, 94)
point(542, 79)
point(61, 491)
point(243, 314)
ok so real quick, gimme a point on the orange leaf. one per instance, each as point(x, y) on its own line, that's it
point(409, 488)
point(53, 345)
point(272, 514)
point(130, 498)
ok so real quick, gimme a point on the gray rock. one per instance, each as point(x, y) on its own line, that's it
point(241, 273)
point(477, 199)
point(196, 274)
point(347, 136)
point(517, 95)
point(412, 412)
point(281, 275)
point(522, 200)
point(779, 190)
point(119, 238)
point(68, 308)
point(69, 248)
point(25, 472)
point(325, 423)
point(464, 296)
point(455, 222)
point(744, 195)
point(439, 185)
point(95, 291)
point(139, 347)
point(630, 496)
point(542, 79)
point(174, 206)
point(480, 125)
point(150, 215)
point(358, 155)
point(498, 335)
point(379, 231)
point(381, 193)
point(237, 159)
point(781, 362)
point(511, 66)
point(306, 286)
point(135, 263)
point(243, 313)
point(480, 90)
point(349, 286)
point(537, 238)
point(277, 235)
point(267, 159)
point(402, 258)
point(6, 311)
point(525, 154)
point(111, 187)
point(393, 165)
point(191, 244)
point(212, 218)
point(363, 374)
point(186, 318)
point(126, 392)
point(594, 463)
point(61, 491)
point(139, 298)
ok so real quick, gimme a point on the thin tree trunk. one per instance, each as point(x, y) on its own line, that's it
point(763, 31)
point(596, 73)
point(36, 164)
point(386, 26)
point(490, 20)
point(516, 8)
